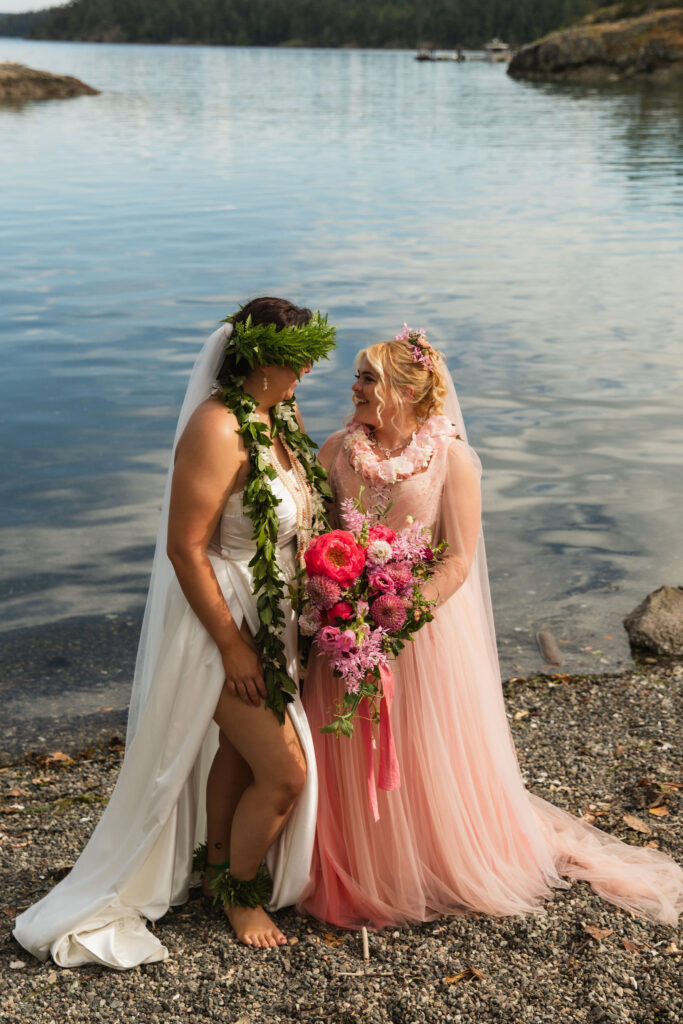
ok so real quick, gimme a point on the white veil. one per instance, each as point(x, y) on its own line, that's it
point(478, 570)
point(200, 386)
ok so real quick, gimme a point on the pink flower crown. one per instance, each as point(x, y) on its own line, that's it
point(420, 345)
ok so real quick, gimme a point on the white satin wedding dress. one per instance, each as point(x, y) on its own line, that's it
point(138, 860)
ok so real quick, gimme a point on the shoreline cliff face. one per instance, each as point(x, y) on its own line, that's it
point(608, 47)
point(19, 84)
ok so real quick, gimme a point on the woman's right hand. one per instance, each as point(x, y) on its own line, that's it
point(243, 672)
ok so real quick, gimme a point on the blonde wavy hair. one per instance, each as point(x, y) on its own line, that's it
point(393, 363)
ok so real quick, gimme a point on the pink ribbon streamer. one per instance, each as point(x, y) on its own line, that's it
point(389, 774)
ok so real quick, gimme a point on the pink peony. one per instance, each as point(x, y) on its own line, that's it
point(380, 581)
point(389, 611)
point(335, 555)
point(323, 591)
point(340, 610)
point(379, 532)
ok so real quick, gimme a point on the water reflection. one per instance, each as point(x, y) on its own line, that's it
point(534, 229)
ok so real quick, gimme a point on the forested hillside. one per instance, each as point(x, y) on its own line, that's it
point(20, 24)
point(373, 23)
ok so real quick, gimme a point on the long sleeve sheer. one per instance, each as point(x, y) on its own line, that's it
point(459, 522)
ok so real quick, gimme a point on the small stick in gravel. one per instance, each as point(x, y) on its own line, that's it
point(364, 939)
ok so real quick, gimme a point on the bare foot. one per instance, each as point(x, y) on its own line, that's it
point(253, 927)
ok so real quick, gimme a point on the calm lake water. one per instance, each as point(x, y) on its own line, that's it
point(534, 230)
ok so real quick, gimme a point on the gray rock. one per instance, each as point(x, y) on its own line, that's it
point(656, 625)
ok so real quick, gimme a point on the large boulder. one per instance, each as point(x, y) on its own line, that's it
point(647, 46)
point(18, 84)
point(656, 625)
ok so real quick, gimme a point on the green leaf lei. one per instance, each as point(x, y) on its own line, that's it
point(256, 345)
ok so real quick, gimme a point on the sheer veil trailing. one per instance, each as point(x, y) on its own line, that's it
point(200, 386)
point(479, 573)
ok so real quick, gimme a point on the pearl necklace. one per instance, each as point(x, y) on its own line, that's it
point(300, 493)
point(388, 452)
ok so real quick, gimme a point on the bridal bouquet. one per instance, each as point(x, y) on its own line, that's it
point(363, 600)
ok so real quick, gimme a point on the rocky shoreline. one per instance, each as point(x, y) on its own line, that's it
point(19, 84)
point(605, 747)
point(614, 44)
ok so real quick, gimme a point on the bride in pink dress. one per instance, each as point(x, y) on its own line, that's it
point(462, 833)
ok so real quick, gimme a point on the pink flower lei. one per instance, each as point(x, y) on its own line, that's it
point(413, 459)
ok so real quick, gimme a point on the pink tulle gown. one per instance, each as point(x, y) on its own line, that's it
point(462, 833)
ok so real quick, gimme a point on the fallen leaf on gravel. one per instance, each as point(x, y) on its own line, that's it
point(653, 843)
point(659, 811)
point(57, 755)
point(637, 824)
point(17, 792)
point(633, 947)
point(597, 933)
point(589, 818)
point(16, 965)
point(619, 749)
point(469, 974)
point(669, 787)
point(9, 911)
point(332, 940)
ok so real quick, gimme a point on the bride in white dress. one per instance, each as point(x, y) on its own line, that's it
point(198, 725)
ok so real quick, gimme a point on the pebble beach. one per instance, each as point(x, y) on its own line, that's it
point(605, 747)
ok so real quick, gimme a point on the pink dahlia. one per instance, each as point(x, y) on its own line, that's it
point(323, 592)
point(400, 573)
point(389, 611)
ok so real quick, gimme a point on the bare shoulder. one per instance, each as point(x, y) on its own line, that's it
point(211, 425)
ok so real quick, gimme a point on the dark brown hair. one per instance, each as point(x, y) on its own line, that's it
point(266, 310)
